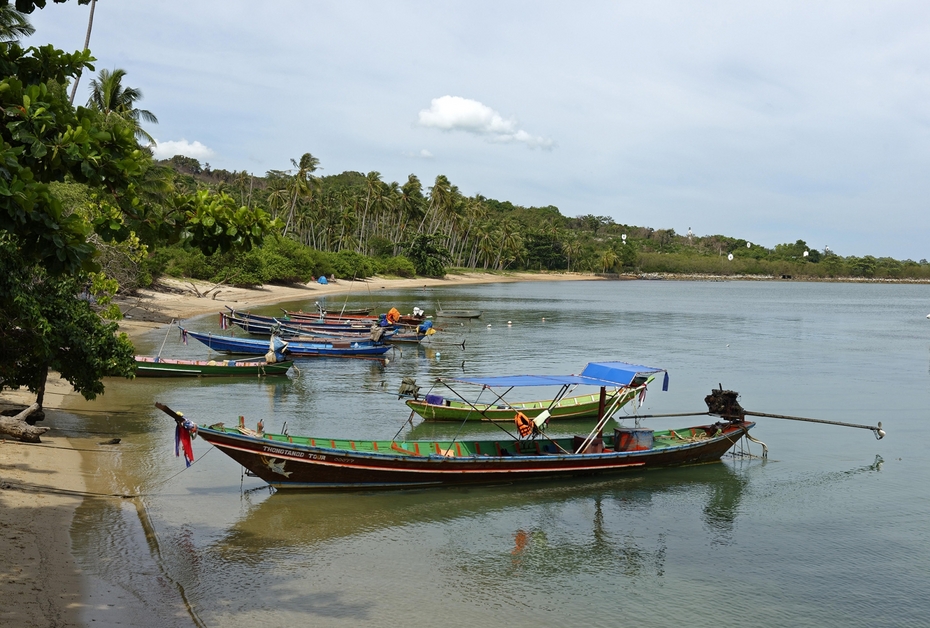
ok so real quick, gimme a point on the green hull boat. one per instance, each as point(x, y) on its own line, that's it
point(436, 408)
point(147, 366)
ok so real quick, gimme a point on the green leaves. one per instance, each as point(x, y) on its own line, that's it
point(44, 140)
point(214, 223)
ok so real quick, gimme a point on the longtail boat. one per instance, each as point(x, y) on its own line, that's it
point(405, 320)
point(306, 462)
point(317, 347)
point(153, 366)
point(632, 384)
point(457, 313)
point(255, 326)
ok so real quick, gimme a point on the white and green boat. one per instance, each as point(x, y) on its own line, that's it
point(442, 407)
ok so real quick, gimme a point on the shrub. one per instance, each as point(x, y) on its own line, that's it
point(398, 266)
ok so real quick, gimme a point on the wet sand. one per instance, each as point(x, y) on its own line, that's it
point(41, 486)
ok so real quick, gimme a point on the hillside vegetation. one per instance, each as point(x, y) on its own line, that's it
point(354, 225)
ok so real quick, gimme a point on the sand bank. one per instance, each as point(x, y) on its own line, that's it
point(41, 486)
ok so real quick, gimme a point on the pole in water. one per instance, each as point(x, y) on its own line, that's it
point(877, 430)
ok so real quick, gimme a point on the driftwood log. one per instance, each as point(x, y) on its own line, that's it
point(18, 428)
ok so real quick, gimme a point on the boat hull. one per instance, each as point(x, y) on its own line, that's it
point(230, 344)
point(577, 407)
point(458, 313)
point(320, 464)
point(151, 367)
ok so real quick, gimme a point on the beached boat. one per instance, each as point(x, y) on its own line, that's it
point(153, 366)
point(317, 347)
point(436, 407)
point(404, 320)
point(258, 327)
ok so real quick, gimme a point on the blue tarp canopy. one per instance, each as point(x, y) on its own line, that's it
point(610, 374)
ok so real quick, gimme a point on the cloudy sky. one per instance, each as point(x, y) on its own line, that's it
point(771, 122)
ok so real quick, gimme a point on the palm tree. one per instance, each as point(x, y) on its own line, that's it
point(303, 182)
point(13, 24)
point(90, 27)
point(116, 102)
point(608, 259)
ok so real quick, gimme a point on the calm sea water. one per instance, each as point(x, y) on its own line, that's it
point(830, 530)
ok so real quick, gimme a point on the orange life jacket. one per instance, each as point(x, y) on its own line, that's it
point(524, 424)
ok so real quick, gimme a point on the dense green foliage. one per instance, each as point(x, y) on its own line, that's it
point(361, 213)
point(77, 194)
point(46, 326)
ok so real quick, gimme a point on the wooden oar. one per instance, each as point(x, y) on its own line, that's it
point(877, 430)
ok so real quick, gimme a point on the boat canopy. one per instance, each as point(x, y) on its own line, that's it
point(594, 374)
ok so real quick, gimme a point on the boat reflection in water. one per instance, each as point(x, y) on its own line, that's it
point(301, 521)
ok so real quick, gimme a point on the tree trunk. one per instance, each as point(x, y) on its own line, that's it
point(18, 428)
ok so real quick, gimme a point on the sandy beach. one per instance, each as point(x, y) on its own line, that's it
point(41, 485)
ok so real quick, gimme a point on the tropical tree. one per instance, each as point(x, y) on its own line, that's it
point(13, 24)
point(109, 96)
point(302, 183)
point(429, 257)
point(47, 251)
point(608, 259)
point(90, 27)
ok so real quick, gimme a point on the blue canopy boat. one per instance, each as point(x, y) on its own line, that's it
point(624, 383)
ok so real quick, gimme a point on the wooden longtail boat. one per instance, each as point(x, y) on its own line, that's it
point(457, 313)
point(149, 366)
point(308, 317)
point(630, 381)
point(304, 462)
point(361, 324)
point(318, 347)
point(282, 328)
point(307, 462)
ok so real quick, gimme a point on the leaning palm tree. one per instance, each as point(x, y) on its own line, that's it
point(303, 182)
point(117, 102)
point(13, 24)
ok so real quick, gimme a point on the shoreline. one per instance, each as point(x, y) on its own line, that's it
point(42, 485)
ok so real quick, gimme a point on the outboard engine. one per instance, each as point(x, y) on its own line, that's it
point(723, 403)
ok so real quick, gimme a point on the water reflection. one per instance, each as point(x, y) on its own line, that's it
point(302, 521)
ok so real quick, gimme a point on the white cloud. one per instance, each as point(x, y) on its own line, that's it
point(164, 150)
point(454, 113)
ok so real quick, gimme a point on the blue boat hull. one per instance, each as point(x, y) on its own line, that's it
point(229, 344)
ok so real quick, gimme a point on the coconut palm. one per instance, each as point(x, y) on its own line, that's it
point(13, 24)
point(118, 102)
point(303, 182)
point(90, 27)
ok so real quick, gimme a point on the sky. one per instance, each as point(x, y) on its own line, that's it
point(771, 122)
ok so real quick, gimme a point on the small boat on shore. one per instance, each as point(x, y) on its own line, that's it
point(154, 366)
point(257, 327)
